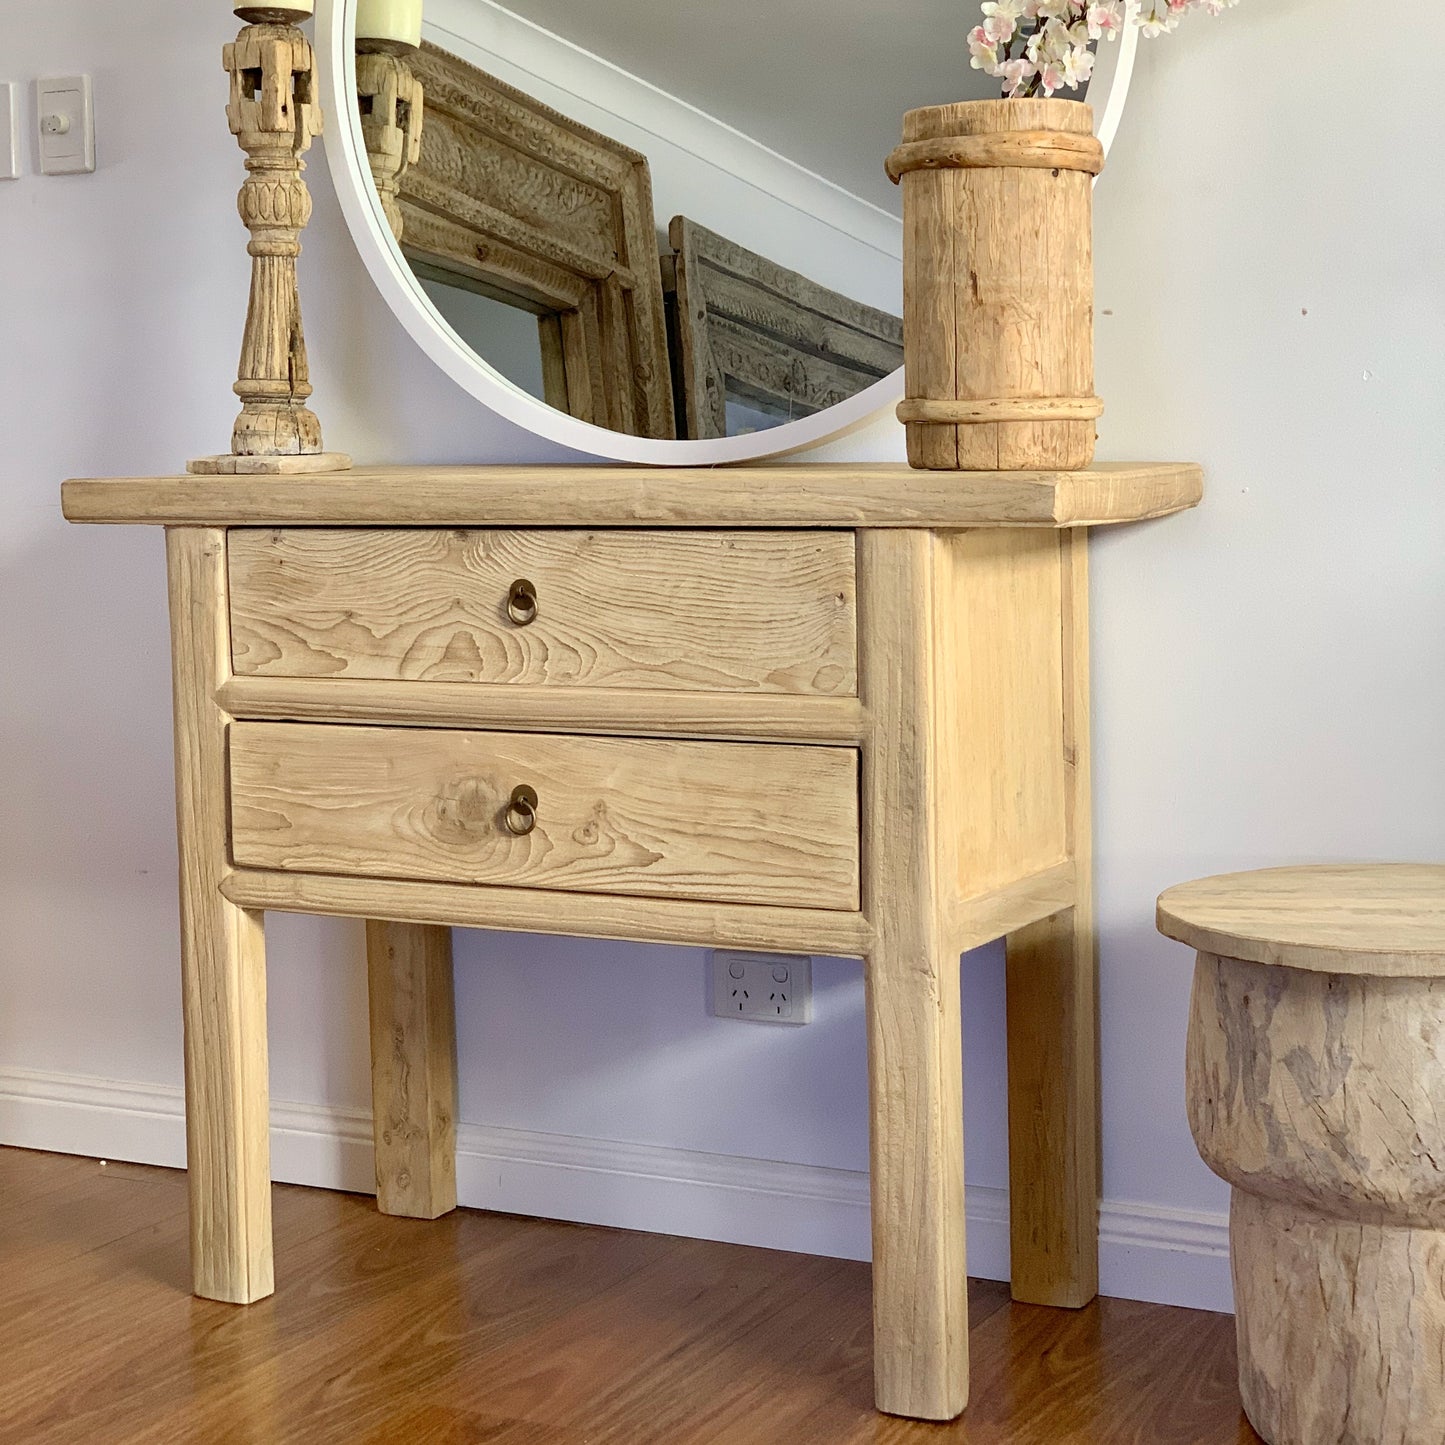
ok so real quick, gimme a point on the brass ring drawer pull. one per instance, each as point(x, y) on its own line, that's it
point(521, 814)
point(522, 602)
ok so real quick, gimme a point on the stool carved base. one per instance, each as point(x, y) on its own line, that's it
point(1341, 1326)
point(1319, 1096)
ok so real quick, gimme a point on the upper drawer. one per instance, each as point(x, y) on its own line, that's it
point(724, 822)
point(677, 611)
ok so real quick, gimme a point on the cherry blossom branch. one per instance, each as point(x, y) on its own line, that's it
point(1058, 51)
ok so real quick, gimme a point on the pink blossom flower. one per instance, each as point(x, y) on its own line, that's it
point(1016, 75)
point(983, 51)
point(1078, 67)
point(1051, 76)
point(1055, 39)
point(1001, 18)
point(999, 29)
point(1105, 18)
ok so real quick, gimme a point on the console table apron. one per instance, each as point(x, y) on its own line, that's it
point(814, 709)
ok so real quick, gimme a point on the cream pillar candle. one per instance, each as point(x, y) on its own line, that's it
point(388, 24)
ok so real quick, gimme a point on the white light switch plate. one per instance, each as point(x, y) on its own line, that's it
point(65, 121)
point(9, 130)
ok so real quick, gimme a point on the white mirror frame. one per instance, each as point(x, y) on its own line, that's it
point(350, 173)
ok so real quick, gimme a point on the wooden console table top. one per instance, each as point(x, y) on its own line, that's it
point(882, 495)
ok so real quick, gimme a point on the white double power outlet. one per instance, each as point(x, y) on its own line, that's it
point(773, 988)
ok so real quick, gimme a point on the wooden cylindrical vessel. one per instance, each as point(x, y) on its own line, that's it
point(998, 284)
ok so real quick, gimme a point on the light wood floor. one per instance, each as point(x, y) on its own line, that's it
point(488, 1328)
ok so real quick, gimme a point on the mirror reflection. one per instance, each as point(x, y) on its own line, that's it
point(672, 223)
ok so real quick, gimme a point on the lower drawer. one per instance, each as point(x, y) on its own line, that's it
point(724, 822)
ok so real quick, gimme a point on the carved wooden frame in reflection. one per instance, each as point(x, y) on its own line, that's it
point(777, 337)
point(513, 200)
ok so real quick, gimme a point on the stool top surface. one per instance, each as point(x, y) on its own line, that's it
point(1381, 919)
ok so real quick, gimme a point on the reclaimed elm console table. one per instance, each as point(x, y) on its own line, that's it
point(833, 709)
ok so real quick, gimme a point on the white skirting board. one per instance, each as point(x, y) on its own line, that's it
point(1166, 1256)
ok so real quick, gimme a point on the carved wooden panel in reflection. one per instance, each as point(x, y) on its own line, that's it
point(513, 200)
point(766, 336)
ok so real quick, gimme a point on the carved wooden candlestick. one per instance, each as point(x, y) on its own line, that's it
point(273, 116)
point(391, 101)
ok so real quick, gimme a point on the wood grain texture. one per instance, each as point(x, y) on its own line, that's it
point(303, 464)
point(815, 495)
point(1052, 970)
point(511, 198)
point(1378, 919)
point(746, 326)
point(992, 409)
point(1040, 150)
point(223, 953)
point(481, 1327)
point(1322, 1090)
point(581, 915)
point(998, 279)
point(1318, 1096)
point(920, 1307)
point(726, 822)
point(1053, 1112)
point(768, 717)
point(681, 611)
point(1004, 910)
point(999, 604)
point(933, 269)
point(413, 1067)
point(1341, 1325)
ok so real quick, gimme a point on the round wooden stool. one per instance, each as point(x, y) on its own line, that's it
point(1316, 1083)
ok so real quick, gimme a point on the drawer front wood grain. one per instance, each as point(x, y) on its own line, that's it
point(762, 612)
point(722, 822)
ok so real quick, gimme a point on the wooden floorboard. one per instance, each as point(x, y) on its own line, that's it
point(484, 1329)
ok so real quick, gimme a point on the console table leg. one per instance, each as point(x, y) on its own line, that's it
point(920, 1275)
point(413, 1067)
point(1053, 1024)
point(228, 1137)
point(920, 1284)
point(223, 953)
point(1053, 1113)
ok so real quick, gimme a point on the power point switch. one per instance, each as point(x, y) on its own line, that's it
point(772, 988)
point(65, 115)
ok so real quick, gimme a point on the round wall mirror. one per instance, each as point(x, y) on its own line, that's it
point(658, 235)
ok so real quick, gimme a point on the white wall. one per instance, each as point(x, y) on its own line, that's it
point(1268, 670)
